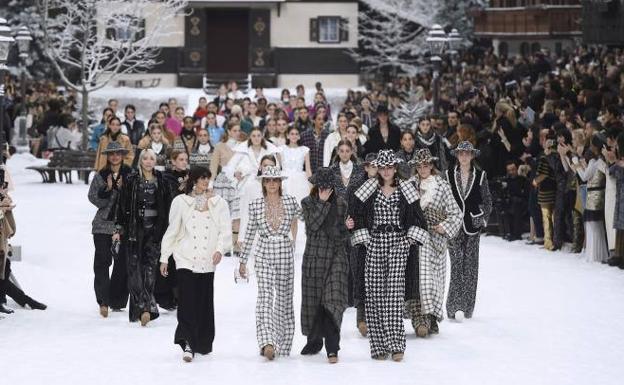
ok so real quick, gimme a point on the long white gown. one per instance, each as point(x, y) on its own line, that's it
point(293, 161)
point(249, 188)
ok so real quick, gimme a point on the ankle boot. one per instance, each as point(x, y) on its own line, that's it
point(312, 347)
point(35, 305)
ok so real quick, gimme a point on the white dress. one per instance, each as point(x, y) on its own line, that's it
point(293, 160)
point(249, 188)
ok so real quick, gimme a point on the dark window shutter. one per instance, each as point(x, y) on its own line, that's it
point(141, 32)
point(111, 33)
point(344, 29)
point(314, 32)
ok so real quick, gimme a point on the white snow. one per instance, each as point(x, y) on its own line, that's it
point(541, 318)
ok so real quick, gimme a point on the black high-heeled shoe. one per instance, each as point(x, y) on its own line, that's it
point(312, 347)
point(35, 305)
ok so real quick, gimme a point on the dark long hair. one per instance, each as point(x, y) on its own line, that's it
point(395, 181)
point(345, 142)
point(262, 143)
point(196, 173)
point(108, 131)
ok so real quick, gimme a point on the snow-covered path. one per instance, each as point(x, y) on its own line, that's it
point(541, 318)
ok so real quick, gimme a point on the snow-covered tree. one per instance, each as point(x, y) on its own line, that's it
point(456, 14)
point(392, 34)
point(91, 42)
point(24, 13)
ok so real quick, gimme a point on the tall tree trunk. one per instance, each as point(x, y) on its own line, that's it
point(85, 119)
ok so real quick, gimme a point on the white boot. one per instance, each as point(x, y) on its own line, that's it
point(459, 316)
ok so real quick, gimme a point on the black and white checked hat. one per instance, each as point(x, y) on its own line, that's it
point(422, 155)
point(271, 172)
point(385, 158)
point(465, 146)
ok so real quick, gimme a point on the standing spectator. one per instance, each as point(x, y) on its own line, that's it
point(383, 135)
point(198, 220)
point(135, 129)
point(616, 169)
point(314, 139)
point(110, 291)
point(593, 173)
point(516, 206)
point(324, 266)
point(546, 188)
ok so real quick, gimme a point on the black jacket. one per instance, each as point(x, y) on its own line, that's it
point(135, 131)
point(128, 207)
point(376, 143)
point(469, 205)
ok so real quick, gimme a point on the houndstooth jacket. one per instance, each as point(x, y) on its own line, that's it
point(411, 218)
point(440, 208)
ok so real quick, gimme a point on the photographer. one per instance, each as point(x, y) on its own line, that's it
point(514, 206)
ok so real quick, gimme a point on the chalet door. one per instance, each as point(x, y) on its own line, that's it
point(227, 41)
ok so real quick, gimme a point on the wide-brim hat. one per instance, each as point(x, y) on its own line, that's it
point(323, 178)
point(385, 158)
point(421, 156)
point(369, 158)
point(271, 172)
point(467, 147)
point(115, 147)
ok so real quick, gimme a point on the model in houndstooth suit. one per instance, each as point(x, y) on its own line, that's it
point(444, 220)
point(387, 221)
point(470, 189)
point(271, 218)
point(324, 269)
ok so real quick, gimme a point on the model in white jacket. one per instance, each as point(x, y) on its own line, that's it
point(193, 236)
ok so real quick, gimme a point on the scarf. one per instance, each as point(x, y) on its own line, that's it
point(204, 148)
point(157, 147)
point(428, 140)
point(346, 169)
point(428, 188)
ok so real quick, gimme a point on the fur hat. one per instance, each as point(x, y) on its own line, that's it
point(385, 158)
point(271, 172)
point(423, 155)
point(465, 146)
point(115, 147)
point(323, 178)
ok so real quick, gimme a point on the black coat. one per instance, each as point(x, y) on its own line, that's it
point(358, 176)
point(376, 143)
point(128, 208)
point(135, 131)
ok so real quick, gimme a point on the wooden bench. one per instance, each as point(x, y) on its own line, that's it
point(63, 162)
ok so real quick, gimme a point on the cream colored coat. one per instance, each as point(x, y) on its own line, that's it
point(193, 236)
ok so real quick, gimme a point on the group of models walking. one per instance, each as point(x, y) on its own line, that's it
point(373, 240)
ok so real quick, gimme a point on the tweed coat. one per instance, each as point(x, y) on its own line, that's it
point(439, 207)
point(412, 219)
point(358, 176)
point(618, 173)
point(324, 268)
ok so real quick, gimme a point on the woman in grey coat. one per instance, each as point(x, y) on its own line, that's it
point(104, 194)
point(324, 268)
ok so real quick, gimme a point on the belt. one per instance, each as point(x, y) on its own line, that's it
point(598, 188)
point(275, 237)
point(388, 228)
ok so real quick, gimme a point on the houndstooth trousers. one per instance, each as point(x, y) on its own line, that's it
point(464, 253)
point(386, 261)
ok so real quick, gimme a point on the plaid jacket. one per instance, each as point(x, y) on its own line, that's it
point(316, 147)
point(324, 267)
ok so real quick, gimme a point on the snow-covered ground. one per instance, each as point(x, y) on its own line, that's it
point(541, 318)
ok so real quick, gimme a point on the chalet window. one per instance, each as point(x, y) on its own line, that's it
point(125, 28)
point(329, 29)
